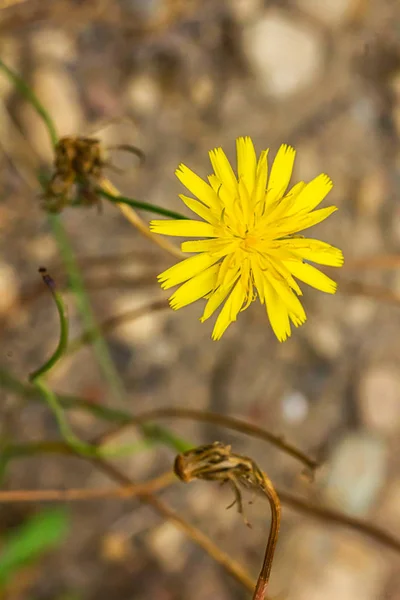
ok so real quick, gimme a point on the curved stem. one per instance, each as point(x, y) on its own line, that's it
point(273, 499)
point(63, 340)
point(152, 208)
point(131, 215)
point(29, 94)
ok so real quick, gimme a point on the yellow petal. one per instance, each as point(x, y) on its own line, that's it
point(283, 207)
point(183, 228)
point(229, 311)
point(315, 250)
point(197, 207)
point(312, 276)
point(197, 186)
point(281, 172)
point(261, 183)
point(246, 162)
point(194, 289)
point(283, 273)
point(288, 297)
point(216, 247)
point(277, 312)
point(312, 194)
point(186, 269)
point(216, 298)
point(225, 196)
point(294, 224)
point(223, 169)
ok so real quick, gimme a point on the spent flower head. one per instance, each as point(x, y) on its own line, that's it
point(252, 247)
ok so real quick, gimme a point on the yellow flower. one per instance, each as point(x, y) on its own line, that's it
point(251, 249)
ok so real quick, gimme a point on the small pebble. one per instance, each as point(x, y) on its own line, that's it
point(286, 56)
point(379, 399)
point(356, 473)
point(9, 288)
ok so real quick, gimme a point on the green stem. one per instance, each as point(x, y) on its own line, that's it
point(99, 345)
point(63, 341)
point(65, 430)
point(153, 208)
point(151, 431)
point(29, 94)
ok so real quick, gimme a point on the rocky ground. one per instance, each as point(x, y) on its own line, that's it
point(177, 79)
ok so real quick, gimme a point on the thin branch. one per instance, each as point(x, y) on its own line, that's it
point(376, 262)
point(124, 492)
point(229, 564)
point(116, 281)
point(322, 513)
point(110, 324)
point(197, 536)
point(217, 419)
point(367, 290)
point(125, 419)
point(328, 515)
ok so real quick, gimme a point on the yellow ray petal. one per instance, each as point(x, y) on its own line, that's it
point(198, 207)
point(216, 298)
point(183, 228)
point(314, 250)
point(229, 311)
point(288, 297)
point(223, 169)
point(186, 269)
point(194, 289)
point(283, 207)
point(216, 247)
point(281, 172)
point(312, 194)
point(260, 186)
point(277, 312)
point(246, 162)
point(197, 186)
point(312, 276)
point(294, 224)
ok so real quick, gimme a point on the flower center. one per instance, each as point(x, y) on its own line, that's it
point(249, 242)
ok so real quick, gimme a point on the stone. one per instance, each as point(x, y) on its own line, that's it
point(379, 399)
point(143, 95)
point(295, 407)
point(9, 288)
point(355, 473)
point(330, 12)
point(373, 191)
point(168, 544)
point(137, 329)
point(286, 56)
point(325, 337)
point(360, 311)
point(329, 564)
point(53, 44)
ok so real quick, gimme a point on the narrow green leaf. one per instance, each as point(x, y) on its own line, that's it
point(42, 532)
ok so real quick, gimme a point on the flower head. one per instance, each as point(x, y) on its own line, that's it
point(251, 248)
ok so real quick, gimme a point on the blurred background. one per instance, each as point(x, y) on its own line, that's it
point(177, 78)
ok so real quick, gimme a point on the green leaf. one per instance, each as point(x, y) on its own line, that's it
point(39, 534)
